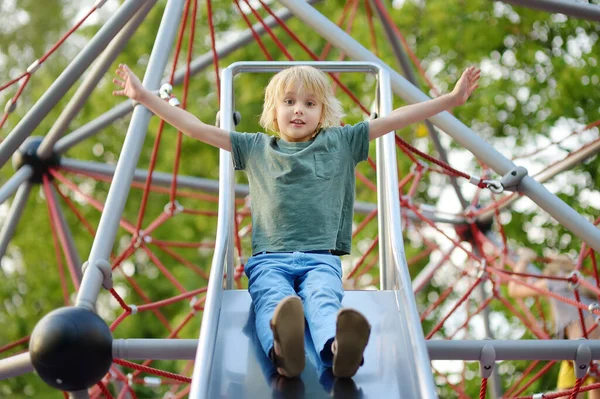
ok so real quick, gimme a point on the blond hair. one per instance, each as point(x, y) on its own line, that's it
point(301, 79)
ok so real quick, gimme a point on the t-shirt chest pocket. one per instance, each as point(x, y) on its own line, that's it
point(326, 165)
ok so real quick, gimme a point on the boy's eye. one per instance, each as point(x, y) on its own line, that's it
point(288, 101)
point(310, 104)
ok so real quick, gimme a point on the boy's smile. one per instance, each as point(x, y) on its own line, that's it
point(298, 116)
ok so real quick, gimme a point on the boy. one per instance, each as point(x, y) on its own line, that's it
point(302, 188)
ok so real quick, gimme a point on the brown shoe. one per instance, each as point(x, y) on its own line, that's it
point(351, 337)
point(288, 333)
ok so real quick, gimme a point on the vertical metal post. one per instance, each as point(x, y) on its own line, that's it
point(422, 378)
point(91, 80)
point(204, 356)
point(14, 214)
point(119, 189)
point(386, 271)
point(576, 223)
point(66, 79)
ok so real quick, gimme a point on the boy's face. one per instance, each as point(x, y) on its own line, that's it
point(298, 114)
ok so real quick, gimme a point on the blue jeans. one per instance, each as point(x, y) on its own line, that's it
point(315, 278)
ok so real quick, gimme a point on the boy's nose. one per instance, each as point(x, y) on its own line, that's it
point(298, 111)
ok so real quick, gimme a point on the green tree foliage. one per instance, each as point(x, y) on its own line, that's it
point(539, 82)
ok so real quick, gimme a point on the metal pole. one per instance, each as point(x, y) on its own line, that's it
point(155, 349)
point(571, 8)
point(571, 161)
point(518, 349)
point(208, 332)
point(15, 366)
point(408, 72)
point(66, 79)
point(119, 189)
point(93, 127)
point(140, 175)
point(449, 124)
point(91, 80)
point(241, 190)
point(14, 214)
point(423, 377)
point(66, 240)
point(21, 176)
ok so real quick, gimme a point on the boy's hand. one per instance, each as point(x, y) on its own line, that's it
point(467, 83)
point(132, 87)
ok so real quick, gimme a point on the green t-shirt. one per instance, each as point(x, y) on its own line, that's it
point(302, 194)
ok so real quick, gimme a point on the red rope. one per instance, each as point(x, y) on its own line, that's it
point(541, 291)
point(175, 299)
point(313, 56)
point(151, 370)
point(116, 295)
point(18, 342)
point(214, 48)
point(183, 261)
point(256, 36)
point(460, 302)
point(163, 269)
point(186, 89)
point(483, 389)
point(95, 203)
point(580, 311)
point(53, 48)
point(105, 390)
point(576, 388)
point(371, 28)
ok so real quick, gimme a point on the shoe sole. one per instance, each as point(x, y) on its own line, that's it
point(352, 334)
point(288, 331)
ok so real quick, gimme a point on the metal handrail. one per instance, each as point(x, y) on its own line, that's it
point(392, 248)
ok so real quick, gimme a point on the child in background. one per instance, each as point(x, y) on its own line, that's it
point(565, 317)
point(302, 187)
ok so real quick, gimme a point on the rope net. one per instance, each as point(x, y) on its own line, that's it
point(461, 266)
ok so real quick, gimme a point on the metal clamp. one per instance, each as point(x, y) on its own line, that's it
point(104, 267)
point(494, 186)
point(582, 360)
point(34, 67)
point(175, 207)
point(592, 308)
point(511, 180)
point(237, 118)
point(166, 93)
point(10, 107)
point(577, 275)
point(487, 361)
point(142, 238)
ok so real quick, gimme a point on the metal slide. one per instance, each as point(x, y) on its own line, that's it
point(231, 364)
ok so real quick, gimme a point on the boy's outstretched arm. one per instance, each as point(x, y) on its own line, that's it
point(404, 116)
point(181, 119)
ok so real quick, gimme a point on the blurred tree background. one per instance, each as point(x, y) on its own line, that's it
point(539, 83)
